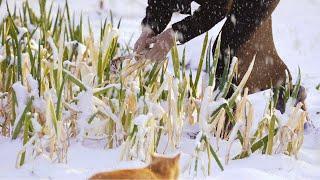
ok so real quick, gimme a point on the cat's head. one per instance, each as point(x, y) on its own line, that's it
point(166, 165)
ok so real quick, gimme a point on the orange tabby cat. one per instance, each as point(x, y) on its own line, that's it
point(159, 168)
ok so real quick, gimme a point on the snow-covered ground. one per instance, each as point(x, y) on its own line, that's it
point(296, 32)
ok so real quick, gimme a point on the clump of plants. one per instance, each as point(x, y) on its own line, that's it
point(276, 132)
point(58, 84)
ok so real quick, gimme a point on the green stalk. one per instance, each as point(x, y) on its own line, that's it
point(175, 60)
point(183, 71)
point(296, 88)
point(73, 79)
point(25, 136)
point(261, 142)
point(39, 69)
point(22, 119)
point(271, 134)
point(153, 74)
point(109, 56)
point(208, 58)
point(59, 102)
point(199, 70)
point(215, 61)
point(53, 115)
point(159, 134)
point(209, 159)
point(69, 20)
point(228, 82)
point(215, 156)
point(100, 67)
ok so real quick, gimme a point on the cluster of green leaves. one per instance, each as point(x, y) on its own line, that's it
point(265, 142)
point(49, 24)
point(210, 69)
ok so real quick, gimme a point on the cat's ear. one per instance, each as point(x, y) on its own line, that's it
point(177, 157)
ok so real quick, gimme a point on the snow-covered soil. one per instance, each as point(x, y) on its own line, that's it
point(296, 32)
